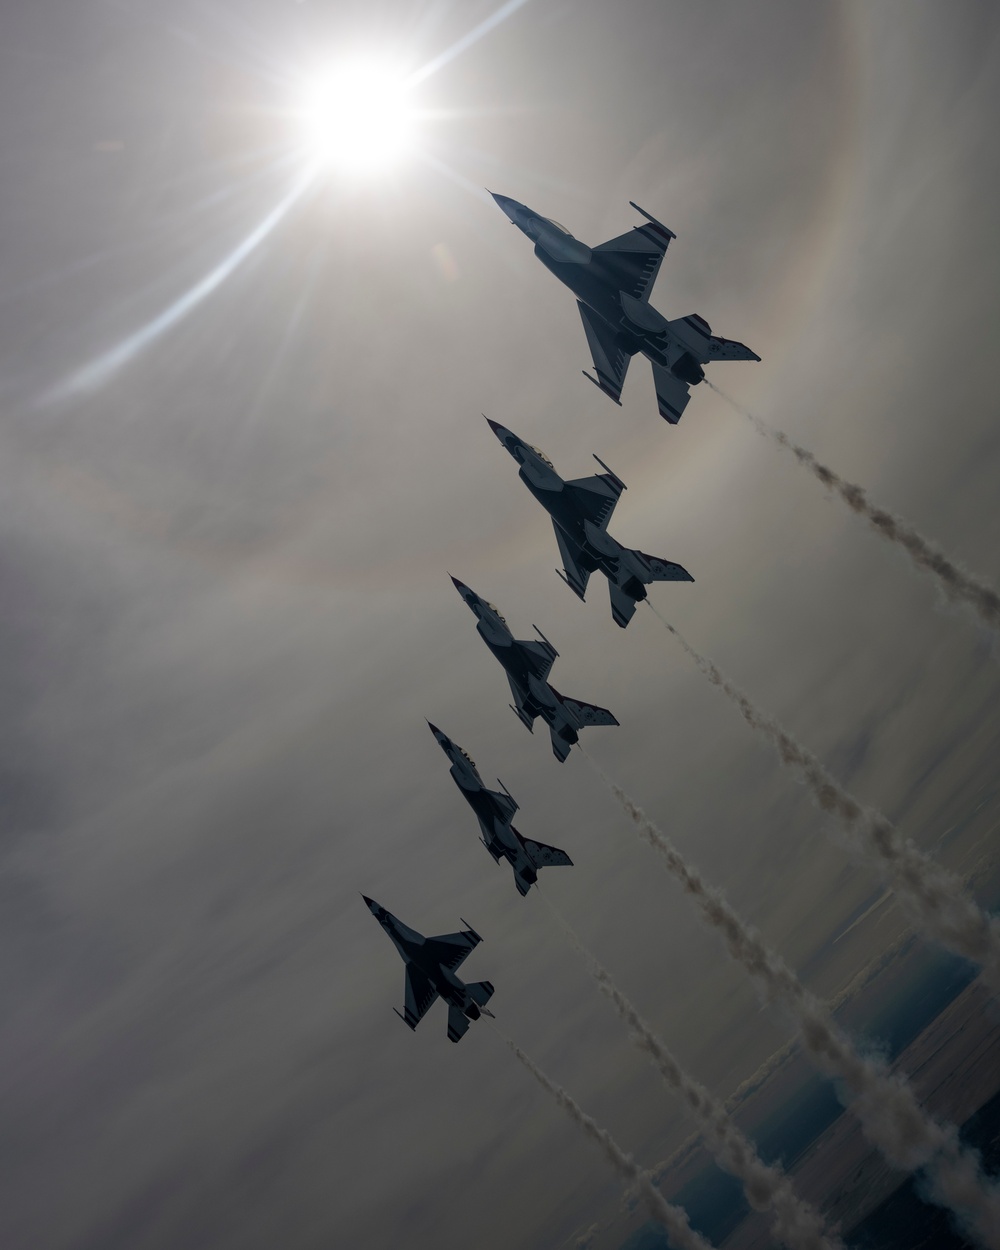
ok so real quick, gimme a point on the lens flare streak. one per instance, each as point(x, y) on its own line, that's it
point(99, 371)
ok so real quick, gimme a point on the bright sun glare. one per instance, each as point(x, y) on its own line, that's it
point(358, 116)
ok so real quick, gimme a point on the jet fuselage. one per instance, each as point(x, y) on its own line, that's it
point(598, 279)
point(494, 819)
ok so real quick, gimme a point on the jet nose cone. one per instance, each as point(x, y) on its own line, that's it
point(499, 430)
point(461, 587)
point(368, 902)
point(508, 205)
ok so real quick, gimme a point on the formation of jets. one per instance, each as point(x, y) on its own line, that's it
point(612, 283)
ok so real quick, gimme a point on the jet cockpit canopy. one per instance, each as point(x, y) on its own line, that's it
point(541, 454)
point(468, 756)
point(493, 608)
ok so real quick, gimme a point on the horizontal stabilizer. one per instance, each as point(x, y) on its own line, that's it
point(622, 605)
point(729, 349)
point(458, 1023)
point(560, 746)
point(588, 713)
point(665, 570)
point(672, 394)
point(543, 856)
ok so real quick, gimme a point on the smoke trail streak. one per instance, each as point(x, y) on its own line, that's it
point(674, 1219)
point(957, 583)
point(767, 1188)
point(933, 897)
point(883, 1101)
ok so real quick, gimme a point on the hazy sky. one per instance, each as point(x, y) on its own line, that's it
point(225, 547)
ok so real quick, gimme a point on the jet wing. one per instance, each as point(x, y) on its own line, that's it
point(609, 354)
point(576, 575)
point(542, 655)
point(543, 856)
point(504, 802)
point(596, 496)
point(451, 949)
point(420, 994)
point(589, 713)
point(632, 260)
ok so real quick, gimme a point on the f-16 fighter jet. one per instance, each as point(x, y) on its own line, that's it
point(495, 810)
point(430, 973)
point(527, 664)
point(612, 283)
point(580, 511)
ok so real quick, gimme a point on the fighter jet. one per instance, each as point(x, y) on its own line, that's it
point(430, 973)
point(612, 283)
point(495, 810)
point(527, 664)
point(580, 511)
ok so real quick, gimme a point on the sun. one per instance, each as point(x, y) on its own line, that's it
point(358, 116)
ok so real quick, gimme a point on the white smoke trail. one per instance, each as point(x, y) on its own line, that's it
point(957, 583)
point(767, 1188)
point(882, 1100)
point(934, 898)
point(673, 1219)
